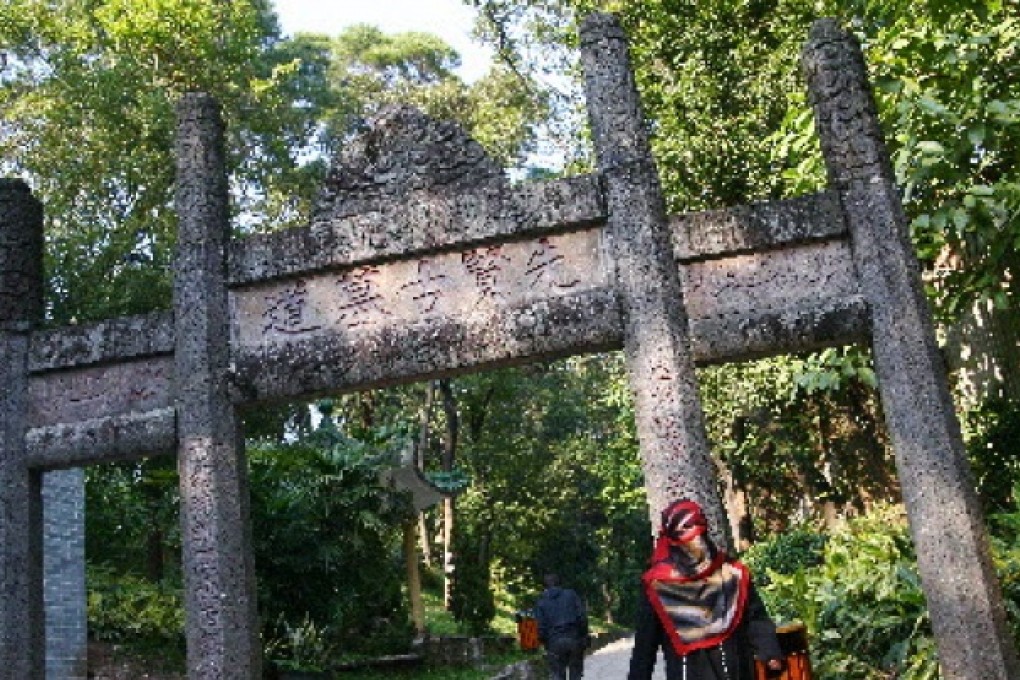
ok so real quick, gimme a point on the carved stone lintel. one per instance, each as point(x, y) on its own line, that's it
point(103, 440)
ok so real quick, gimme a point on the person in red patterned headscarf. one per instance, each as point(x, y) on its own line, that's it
point(698, 605)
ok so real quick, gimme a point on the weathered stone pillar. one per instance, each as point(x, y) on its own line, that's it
point(222, 630)
point(670, 422)
point(945, 518)
point(21, 600)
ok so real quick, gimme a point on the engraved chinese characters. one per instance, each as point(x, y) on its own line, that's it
point(460, 284)
point(100, 391)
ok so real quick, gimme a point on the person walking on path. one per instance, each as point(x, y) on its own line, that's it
point(562, 629)
point(699, 605)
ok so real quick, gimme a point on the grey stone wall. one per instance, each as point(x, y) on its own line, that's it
point(64, 594)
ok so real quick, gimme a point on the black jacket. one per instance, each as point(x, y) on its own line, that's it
point(560, 613)
point(732, 660)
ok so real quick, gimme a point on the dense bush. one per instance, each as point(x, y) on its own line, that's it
point(471, 598)
point(122, 607)
point(863, 605)
point(327, 543)
point(993, 446)
point(1005, 537)
point(785, 553)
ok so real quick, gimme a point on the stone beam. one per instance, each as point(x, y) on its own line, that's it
point(423, 319)
point(756, 227)
point(492, 212)
point(803, 327)
point(22, 638)
point(103, 440)
point(100, 393)
point(107, 342)
point(964, 598)
point(532, 210)
point(320, 363)
point(589, 322)
point(221, 622)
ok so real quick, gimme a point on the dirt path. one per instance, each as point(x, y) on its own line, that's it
point(612, 662)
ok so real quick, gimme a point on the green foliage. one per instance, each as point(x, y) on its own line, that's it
point(453, 481)
point(556, 481)
point(791, 428)
point(947, 90)
point(367, 70)
point(301, 647)
point(132, 511)
point(1005, 538)
point(327, 540)
point(992, 433)
point(472, 601)
point(730, 123)
point(126, 608)
point(785, 553)
point(87, 96)
point(730, 120)
point(863, 605)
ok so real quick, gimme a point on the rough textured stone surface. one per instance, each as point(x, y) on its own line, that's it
point(319, 363)
point(670, 422)
point(103, 440)
point(222, 626)
point(469, 283)
point(111, 341)
point(21, 252)
point(760, 226)
point(826, 322)
point(412, 185)
point(290, 341)
point(64, 575)
point(946, 521)
point(776, 279)
point(541, 208)
point(21, 603)
point(100, 391)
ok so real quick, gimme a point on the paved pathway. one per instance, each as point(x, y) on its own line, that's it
point(612, 662)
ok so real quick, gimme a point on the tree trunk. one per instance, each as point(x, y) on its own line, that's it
point(413, 579)
point(831, 512)
point(448, 459)
point(421, 450)
point(735, 496)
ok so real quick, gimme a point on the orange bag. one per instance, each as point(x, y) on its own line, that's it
point(527, 632)
point(794, 643)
